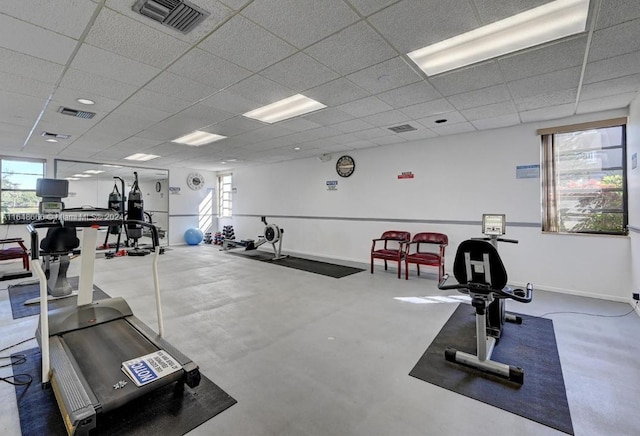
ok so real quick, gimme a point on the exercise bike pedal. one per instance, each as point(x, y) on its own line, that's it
point(516, 374)
point(450, 354)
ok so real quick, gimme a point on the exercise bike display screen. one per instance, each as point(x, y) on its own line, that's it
point(493, 224)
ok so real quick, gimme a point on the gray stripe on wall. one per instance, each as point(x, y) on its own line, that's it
point(633, 229)
point(390, 220)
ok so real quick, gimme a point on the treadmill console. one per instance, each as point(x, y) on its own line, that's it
point(493, 224)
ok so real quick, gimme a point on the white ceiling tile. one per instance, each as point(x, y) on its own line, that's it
point(420, 133)
point(453, 129)
point(298, 124)
point(53, 15)
point(451, 117)
point(548, 113)
point(336, 92)
point(545, 83)
point(352, 49)
point(611, 68)
point(388, 140)
point(427, 109)
point(156, 100)
point(24, 85)
point(145, 113)
point(35, 41)
point(408, 95)
point(605, 103)
point(230, 102)
point(554, 98)
point(468, 79)
point(181, 87)
point(260, 89)
point(236, 5)
point(412, 24)
point(616, 12)
point(234, 126)
point(95, 84)
point(545, 59)
point(364, 107)
point(489, 111)
point(126, 37)
point(246, 44)
point(368, 7)
point(497, 122)
point(328, 116)
point(104, 63)
point(357, 145)
point(616, 40)
point(344, 139)
point(19, 109)
point(384, 76)
point(370, 134)
point(492, 94)
point(605, 88)
point(351, 126)
point(389, 118)
point(301, 22)
point(201, 66)
point(299, 72)
point(495, 10)
point(29, 66)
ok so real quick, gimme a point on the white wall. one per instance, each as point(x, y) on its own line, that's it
point(633, 180)
point(190, 208)
point(457, 179)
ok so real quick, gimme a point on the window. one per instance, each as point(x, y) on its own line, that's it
point(224, 195)
point(18, 191)
point(584, 178)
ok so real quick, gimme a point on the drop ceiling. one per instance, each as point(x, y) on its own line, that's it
point(152, 84)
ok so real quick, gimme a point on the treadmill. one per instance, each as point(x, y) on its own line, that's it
point(83, 347)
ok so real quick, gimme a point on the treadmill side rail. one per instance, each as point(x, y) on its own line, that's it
point(77, 409)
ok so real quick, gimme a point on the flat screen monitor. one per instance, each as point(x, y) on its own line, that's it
point(493, 224)
point(52, 188)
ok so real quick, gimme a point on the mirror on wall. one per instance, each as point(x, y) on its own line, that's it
point(91, 183)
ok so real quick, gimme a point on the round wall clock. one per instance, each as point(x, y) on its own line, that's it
point(195, 181)
point(345, 166)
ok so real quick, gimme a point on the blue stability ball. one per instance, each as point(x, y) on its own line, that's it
point(193, 236)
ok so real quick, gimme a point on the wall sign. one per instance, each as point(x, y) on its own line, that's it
point(634, 161)
point(528, 171)
point(174, 190)
point(405, 175)
point(332, 185)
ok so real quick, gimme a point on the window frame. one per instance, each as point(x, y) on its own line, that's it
point(5, 190)
point(225, 212)
point(549, 191)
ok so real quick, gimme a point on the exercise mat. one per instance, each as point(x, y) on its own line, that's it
point(532, 346)
point(20, 293)
point(166, 411)
point(308, 265)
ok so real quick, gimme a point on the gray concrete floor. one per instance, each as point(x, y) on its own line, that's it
point(306, 354)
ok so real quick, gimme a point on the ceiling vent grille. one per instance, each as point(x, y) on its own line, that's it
point(403, 128)
point(55, 135)
point(177, 14)
point(76, 113)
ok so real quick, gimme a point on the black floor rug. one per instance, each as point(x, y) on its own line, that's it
point(312, 266)
point(18, 294)
point(532, 346)
point(167, 411)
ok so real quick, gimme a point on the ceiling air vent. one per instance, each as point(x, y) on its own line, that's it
point(403, 128)
point(177, 14)
point(76, 113)
point(50, 135)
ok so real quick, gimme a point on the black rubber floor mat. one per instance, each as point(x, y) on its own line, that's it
point(167, 411)
point(532, 346)
point(312, 266)
point(20, 293)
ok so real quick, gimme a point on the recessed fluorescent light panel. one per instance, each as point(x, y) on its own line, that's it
point(285, 109)
point(111, 166)
point(141, 157)
point(81, 175)
point(93, 171)
point(198, 138)
point(545, 23)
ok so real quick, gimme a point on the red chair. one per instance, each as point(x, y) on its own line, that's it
point(417, 253)
point(19, 252)
point(392, 249)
